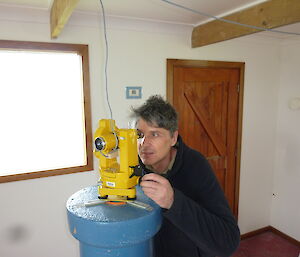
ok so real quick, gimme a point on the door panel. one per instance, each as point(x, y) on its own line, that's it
point(207, 100)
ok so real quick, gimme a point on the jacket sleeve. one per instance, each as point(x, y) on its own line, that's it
point(206, 218)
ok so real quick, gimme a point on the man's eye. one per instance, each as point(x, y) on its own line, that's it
point(155, 134)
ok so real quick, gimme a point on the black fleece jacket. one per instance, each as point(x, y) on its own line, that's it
point(200, 222)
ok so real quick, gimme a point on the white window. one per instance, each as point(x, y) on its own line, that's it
point(44, 110)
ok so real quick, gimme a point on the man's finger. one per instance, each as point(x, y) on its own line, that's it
point(148, 184)
point(154, 177)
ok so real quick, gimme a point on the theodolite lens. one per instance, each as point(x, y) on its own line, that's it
point(99, 143)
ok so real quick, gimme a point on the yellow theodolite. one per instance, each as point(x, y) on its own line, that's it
point(116, 178)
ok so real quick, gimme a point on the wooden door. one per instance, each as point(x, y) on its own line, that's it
point(207, 96)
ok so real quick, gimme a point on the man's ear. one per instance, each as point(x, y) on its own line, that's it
point(174, 138)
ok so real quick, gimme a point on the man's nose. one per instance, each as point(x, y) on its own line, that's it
point(143, 141)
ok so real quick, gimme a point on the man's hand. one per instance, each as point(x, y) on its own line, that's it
point(158, 189)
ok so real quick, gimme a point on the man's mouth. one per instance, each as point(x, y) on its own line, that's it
point(146, 153)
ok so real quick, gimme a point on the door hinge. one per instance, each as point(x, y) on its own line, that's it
point(238, 87)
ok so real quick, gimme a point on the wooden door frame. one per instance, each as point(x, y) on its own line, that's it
point(172, 63)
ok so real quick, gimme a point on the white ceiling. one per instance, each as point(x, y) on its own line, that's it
point(157, 10)
point(147, 9)
point(163, 11)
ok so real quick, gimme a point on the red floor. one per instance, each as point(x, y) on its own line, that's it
point(267, 244)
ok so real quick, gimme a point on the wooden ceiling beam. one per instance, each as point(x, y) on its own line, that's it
point(270, 14)
point(61, 11)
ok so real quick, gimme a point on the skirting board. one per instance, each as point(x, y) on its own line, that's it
point(270, 229)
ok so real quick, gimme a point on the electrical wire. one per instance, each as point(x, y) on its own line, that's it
point(106, 59)
point(229, 21)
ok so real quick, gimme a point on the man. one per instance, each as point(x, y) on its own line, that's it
point(197, 221)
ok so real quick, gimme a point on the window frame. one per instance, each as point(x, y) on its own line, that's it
point(81, 50)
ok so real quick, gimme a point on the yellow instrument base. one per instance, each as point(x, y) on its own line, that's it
point(118, 192)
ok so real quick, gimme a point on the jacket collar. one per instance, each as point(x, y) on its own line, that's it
point(179, 157)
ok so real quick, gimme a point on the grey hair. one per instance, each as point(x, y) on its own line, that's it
point(158, 112)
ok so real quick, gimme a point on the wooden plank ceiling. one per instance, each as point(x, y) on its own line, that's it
point(269, 14)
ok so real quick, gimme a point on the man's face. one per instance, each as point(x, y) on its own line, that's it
point(155, 145)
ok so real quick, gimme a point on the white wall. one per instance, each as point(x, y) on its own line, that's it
point(35, 209)
point(285, 205)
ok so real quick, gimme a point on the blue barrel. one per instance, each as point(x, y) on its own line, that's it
point(112, 230)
